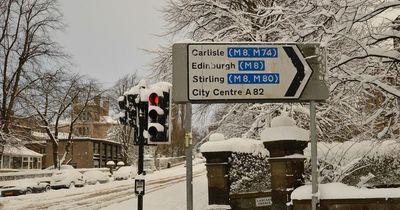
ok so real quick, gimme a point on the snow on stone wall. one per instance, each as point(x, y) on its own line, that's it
point(240, 145)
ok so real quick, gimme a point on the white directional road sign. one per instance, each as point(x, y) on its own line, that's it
point(247, 72)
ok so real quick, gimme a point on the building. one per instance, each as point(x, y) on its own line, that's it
point(20, 157)
point(86, 152)
point(93, 122)
point(89, 144)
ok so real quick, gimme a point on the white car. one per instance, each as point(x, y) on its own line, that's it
point(94, 177)
point(62, 167)
point(66, 179)
point(125, 172)
point(25, 186)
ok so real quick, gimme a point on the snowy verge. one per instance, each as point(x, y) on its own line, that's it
point(342, 191)
point(218, 207)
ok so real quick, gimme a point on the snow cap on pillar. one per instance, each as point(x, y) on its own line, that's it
point(218, 143)
point(284, 128)
point(217, 137)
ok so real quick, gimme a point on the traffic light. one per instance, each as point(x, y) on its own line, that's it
point(132, 109)
point(122, 102)
point(147, 110)
point(123, 117)
point(158, 116)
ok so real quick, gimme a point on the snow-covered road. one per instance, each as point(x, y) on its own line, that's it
point(158, 185)
point(172, 197)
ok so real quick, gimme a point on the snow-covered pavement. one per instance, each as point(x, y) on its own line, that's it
point(172, 197)
point(165, 189)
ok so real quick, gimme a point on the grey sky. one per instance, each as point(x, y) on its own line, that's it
point(105, 37)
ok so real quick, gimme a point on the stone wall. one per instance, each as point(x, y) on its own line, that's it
point(351, 204)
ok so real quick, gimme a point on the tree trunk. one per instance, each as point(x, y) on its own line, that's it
point(55, 156)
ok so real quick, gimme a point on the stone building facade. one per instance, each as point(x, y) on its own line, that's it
point(94, 122)
point(90, 146)
point(86, 152)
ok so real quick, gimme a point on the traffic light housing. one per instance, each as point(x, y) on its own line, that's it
point(122, 102)
point(123, 116)
point(158, 115)
point(147, 110)
point(132, 109)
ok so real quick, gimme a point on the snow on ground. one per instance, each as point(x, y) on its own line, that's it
point(342, 191)
point(165, 186)
point(170, 198)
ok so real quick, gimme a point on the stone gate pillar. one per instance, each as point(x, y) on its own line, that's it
point(217, 152)
point(285, 143)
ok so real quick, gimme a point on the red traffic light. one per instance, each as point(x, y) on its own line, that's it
point(154, 99)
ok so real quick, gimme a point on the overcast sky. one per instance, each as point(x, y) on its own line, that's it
point(105, 37)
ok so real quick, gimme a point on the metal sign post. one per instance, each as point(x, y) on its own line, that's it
point(141, 140)
point(314, 157)
point(189, 148)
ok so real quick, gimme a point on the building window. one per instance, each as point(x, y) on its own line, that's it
point(17, 162)
point(35, 164)
point(96, 148)
point(115, 151)
point(103, 151)
point(83, 131)
point(25, 162)
point(6, 162)
point(109, 147)
point(86, 131)
point(96, 163)
point(85, 116)
point(42, 150)
point(39, 162)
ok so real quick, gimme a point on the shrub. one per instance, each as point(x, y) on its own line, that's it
point(249, 173)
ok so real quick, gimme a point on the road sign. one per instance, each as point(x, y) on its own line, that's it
point(139, 186)
point(247, 72)
point(264, 201)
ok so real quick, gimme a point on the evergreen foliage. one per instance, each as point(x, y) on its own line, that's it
point(249, 173)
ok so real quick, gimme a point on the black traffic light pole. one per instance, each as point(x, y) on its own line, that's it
point(141, 149)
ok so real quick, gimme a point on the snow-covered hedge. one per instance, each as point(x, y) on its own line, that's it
point(249, 173)
point(249, 170)
point(364, 163)
point(375, 170)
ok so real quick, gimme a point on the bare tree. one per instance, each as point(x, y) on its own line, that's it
point(26, 45)
point(122, 133)
point(177, 146)
point(52, 99)
point(362, 62)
